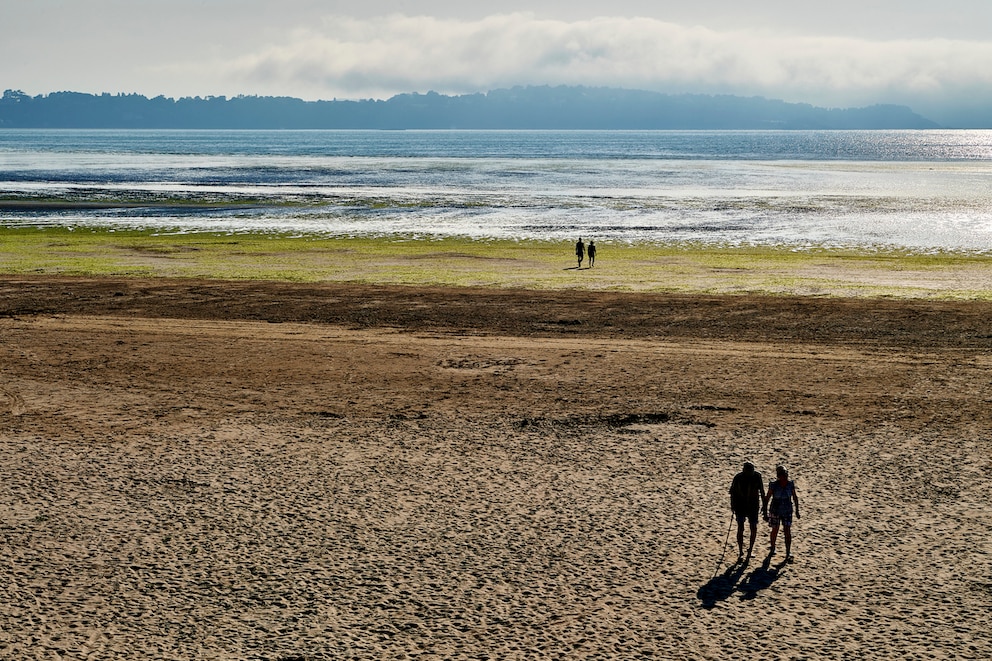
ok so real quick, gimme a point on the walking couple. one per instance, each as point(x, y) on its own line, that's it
point(776, 507)
point(581, 250)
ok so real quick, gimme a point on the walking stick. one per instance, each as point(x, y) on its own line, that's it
point(719, 563)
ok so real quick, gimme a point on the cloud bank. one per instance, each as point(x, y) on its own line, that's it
point(360, 58)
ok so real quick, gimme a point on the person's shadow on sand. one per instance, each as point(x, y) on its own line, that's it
point(760, 579)
point(721, 586)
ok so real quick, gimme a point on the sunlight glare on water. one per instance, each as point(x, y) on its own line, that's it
point(920, 190)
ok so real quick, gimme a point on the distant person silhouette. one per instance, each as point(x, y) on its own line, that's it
point(746, 491)
point(591, 250)
point(580, 251)
point(782, 493)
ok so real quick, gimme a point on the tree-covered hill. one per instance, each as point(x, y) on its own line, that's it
point(516, 108)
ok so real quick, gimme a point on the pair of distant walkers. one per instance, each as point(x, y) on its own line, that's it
point(747, 492)
point(581, 251)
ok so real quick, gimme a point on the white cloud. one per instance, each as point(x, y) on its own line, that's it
point(356, 58)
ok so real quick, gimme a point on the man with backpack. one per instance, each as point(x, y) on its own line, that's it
point(746, 492)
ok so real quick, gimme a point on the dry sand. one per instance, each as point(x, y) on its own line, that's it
point(206, 470)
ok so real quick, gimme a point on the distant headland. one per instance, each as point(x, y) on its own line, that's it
point(550, 108)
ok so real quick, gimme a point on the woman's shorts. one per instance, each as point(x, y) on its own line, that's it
point(785, 519)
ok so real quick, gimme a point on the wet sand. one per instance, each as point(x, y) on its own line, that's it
point(204, 469)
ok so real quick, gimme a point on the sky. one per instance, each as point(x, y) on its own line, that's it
point(934, 57)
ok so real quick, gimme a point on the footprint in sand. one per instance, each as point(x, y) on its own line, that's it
point(15, 403)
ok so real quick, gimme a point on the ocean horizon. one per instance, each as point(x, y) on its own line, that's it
point(916, 190)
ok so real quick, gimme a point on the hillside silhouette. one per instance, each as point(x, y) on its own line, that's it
point(515, 108)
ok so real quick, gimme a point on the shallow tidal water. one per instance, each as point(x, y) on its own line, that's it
point(923, 191)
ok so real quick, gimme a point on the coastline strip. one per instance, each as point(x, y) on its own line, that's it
point(498, 264)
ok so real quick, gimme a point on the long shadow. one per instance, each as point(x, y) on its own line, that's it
point(760, 579)
point(720, 587)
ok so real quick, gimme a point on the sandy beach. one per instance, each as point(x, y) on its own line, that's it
point(198, 469)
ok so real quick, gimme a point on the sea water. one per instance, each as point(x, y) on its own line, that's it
point(915, 190)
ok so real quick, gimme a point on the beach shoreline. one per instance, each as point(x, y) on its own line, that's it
point(465, 263)
point(201, 468)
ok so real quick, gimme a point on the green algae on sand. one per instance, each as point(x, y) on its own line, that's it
point(464, 262)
